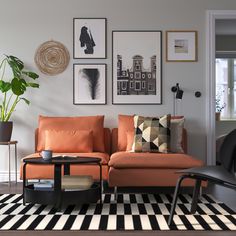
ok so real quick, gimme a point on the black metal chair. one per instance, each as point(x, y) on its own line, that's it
point(222, 175)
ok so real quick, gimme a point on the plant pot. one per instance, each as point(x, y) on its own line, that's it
point(5, 131)
point(217, 116)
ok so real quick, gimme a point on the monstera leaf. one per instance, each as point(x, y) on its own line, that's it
point(18, 86)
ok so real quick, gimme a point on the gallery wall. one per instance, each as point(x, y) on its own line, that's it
point(25, 24)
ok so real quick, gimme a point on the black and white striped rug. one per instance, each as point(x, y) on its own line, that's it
point(131, 212)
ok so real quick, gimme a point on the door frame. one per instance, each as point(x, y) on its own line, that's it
point(212, 16)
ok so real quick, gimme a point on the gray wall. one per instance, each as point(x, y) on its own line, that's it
point(26, 24)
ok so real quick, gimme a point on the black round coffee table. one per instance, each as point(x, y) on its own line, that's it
point(57, 196)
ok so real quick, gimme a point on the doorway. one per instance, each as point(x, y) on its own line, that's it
point(212, 18)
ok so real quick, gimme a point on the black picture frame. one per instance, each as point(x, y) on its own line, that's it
point(102, 90)
point(99, 31)
point(136, 98)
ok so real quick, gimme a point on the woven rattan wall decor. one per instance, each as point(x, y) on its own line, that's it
point(52, 57)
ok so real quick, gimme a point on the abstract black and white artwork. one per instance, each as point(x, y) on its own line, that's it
point(90, 37)
point(137, 67)
point(89, 84)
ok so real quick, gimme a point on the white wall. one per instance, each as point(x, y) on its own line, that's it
point(25, 24)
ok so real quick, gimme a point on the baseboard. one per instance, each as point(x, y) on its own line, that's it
point(4, 176)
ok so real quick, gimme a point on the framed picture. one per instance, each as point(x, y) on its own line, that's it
point(89, 38)
point(137, 67)
point(89, 86)
point(181, 46)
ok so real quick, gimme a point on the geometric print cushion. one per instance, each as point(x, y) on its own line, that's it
point(152, 134)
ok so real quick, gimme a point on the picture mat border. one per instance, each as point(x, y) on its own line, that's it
point(161, 73)
point(92, 18)
point(196, 45)
point(74, 103)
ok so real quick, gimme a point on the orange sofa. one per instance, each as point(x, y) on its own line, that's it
point(101, 142)
point(119, 167)
point(145, 169)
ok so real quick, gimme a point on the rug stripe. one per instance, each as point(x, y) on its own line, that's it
point(129, 225)
point(134, 209)
point(19, 222)
point(11, 222)
point(219, 222)
point(103, 222)
point(86, 222)
point(162, 222)
point(111, 225)
point(44, 222)
point(141, 209)
point(211, 223)
point(61, 222)
point(52, 222)
point(69, 222)
point(120, 209)
point(179, 223)
point(40, 209)
point(137, 222)
point(6, 198)
point(94, 224)
point(112, 209)
point(229, 210)
point(132, 198)
point(11, 209)
point(3, 196)
point(156, 209)
point(104, 209)
point(127, 209)
point(228, 221)
point(120, 224)
point(36, 221)
point(202, 222)
point(5, 220)
point(194, 223)
point(186, 222)
point(26, 209)
point(153, 222)
point(27, 223)
point(78, 222)
point(19, 199)
point(145, 222)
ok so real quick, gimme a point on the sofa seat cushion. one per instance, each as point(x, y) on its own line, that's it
point(130, 160)
point(104, 156)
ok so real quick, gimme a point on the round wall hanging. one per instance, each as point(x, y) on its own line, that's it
point(52, 58)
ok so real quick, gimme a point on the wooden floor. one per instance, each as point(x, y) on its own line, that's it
point(5, 188)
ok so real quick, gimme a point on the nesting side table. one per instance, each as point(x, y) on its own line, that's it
point(9, 158)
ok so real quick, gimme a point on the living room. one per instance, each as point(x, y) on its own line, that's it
point(105, 70)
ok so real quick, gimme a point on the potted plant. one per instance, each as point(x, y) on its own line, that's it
point(12, 89)
point(219, 105)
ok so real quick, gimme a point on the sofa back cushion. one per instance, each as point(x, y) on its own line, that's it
point(125, 124)
point(91, 123)
point(67, 141)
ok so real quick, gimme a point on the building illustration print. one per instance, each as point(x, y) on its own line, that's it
point(136, 63)
point(136, 80)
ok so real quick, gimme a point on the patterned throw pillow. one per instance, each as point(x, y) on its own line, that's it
point(152, 134)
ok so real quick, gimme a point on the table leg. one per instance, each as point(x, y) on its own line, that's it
point(16, 162)
point(100, 166)
point(9, 164)
point(24, 181)
point(57, 185)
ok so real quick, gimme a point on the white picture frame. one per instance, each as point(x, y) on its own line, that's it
point(89, 38)
point(89, 84)
point(181, 46)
